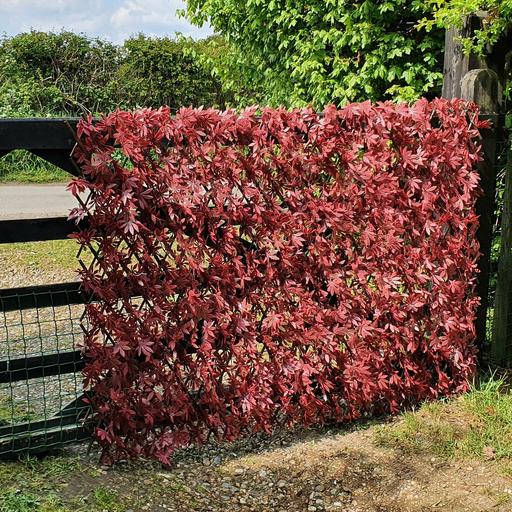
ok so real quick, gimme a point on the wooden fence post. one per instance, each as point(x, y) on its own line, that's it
point(482, 87)
point(469, 77)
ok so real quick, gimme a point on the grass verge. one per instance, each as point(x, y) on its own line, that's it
point(34, 263)
point(22, 167)
point(476, 425)
point(58, 254)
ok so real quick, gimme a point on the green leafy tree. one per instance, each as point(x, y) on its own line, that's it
point(234, 83)
point(323, 51)
point(451, 13)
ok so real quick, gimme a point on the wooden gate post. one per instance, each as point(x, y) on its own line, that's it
point(456, 62)
point(482, 87)
point(472, 78)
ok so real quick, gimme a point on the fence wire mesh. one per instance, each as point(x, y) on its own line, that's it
point(40, 365)
point(502, 156)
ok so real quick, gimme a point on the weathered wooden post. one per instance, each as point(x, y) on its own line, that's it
point(472, 78)
point(456, 62)
point(482, 87)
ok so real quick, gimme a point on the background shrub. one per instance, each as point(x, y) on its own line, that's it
point(67, 74)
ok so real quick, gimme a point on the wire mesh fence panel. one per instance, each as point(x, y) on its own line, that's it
point(35, 331)
point(499, 322)
point(41, 389)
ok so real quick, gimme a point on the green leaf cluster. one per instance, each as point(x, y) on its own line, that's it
point(451, 13)
point(293, 52)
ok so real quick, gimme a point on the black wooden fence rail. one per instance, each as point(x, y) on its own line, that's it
point(54, 141)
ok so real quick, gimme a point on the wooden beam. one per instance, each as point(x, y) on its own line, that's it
point(35, 230)
point(481, 86)
point(42, 296)
point(55, 134)
point(44, 365)
point(479, 79)
point(49, 435)
point(63, 418)
point(58, 157)
point(501, 337)
point(456, 62)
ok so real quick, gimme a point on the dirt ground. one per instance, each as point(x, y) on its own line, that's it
point(310, 471)
point(338, 473)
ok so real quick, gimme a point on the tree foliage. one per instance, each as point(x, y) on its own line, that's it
point(69, 74)
point(326, 51)
point(449, 13)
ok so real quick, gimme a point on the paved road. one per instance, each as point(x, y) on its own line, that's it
point(34, 201)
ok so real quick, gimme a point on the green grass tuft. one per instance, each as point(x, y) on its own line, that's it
point(22, 167)
point(14, 501)
point(108, 500)
point(475, 425)
point(13, 411)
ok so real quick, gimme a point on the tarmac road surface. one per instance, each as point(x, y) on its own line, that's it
point(35, 201)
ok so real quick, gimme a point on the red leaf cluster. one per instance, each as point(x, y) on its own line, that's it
point(290, 267)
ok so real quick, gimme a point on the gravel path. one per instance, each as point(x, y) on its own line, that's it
point(303, 471)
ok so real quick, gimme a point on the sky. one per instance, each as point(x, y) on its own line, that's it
point(115, 20)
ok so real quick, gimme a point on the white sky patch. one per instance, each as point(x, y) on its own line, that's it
point(115, 20)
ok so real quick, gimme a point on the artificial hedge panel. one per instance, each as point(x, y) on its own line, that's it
point(287, 267)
